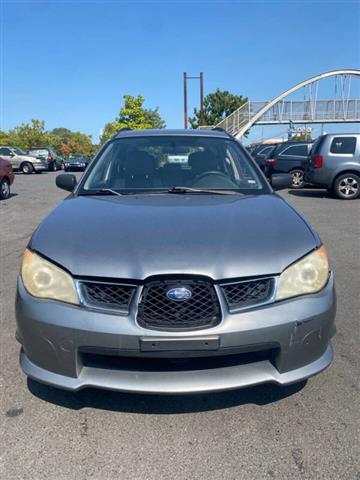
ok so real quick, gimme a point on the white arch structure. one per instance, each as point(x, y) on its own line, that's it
point(241, 120)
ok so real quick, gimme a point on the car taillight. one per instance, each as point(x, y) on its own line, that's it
point(318, 161)
point(49, 156)
point(270, 161)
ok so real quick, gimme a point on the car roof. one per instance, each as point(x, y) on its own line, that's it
point(173, 132)
point(340, 134)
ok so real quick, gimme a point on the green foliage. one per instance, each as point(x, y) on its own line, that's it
point(63, 133)
point(217, 106)
point(154, 119)
point(133, 115)
point(78, 142)
point(27, 136)
point(298, 137)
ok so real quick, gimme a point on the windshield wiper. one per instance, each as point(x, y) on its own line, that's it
point(102, 191)
point(184, 190)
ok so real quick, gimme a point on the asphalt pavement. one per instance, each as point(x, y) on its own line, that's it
point(307, 431)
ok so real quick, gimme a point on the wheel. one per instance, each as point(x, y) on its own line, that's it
point(4, 189)
point(52, 167)
point(347, 186)
point(297, 178)
point(27, 168)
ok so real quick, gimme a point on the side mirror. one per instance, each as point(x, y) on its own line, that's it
point(279, 181)
point(66, 181)
point(12, 154)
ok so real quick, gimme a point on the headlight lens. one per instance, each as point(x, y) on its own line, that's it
point(43, 279)
point(308, 275)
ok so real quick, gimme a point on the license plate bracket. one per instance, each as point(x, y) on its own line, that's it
point(158, 344)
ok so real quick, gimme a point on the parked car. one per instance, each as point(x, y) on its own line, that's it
point(261, 153)
point(6, 178)
point(54, 159)
point(289, 157)
point(76, 162)
point(20, 160)
point(335, 164)
point(174, 277)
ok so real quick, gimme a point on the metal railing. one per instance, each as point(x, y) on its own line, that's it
point(297, 111)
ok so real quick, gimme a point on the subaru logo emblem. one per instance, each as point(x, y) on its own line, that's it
point(179, 294)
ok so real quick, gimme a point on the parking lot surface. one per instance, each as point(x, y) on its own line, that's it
point(306, 431)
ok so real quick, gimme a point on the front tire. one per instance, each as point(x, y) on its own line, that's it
point(347, 186)
point(27, 168)
point(4, 189)
point(297, 178)
point(52, 167)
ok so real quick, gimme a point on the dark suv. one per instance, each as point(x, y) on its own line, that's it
point(289, 157)
point(335, 164)
point(54, 160)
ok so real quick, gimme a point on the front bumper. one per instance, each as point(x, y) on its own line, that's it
point(74, 166)
point(55, 335)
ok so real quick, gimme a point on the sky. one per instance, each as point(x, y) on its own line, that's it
point(69, 62)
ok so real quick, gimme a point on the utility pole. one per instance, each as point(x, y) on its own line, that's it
point(201, 78)
point(185, 102)
point(201, 98)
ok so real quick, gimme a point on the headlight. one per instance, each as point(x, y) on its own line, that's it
point(43, 279)
point(308, 275)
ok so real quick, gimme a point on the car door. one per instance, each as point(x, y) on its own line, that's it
point(292, 158)
point(8, 154)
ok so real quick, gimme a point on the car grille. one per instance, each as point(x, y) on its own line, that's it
point(248, 293)
point(107, 295)
point(168, 364)
point(158, 312)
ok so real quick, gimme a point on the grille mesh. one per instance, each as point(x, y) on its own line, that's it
point(248, 293)
point(108, 294)
point(157, 311)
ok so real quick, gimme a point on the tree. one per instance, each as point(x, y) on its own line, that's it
point(133, 115)
point(217, 106)
point(299, 137)
point(32, 135)
point(78, 143)
point(28, 135)
point(63, 133)
point(154, 118)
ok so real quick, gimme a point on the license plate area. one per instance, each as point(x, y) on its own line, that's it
point(155, 344)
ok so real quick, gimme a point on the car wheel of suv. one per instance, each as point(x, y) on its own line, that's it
point(52, 167)
point(347, 186)
point(297, 178)
point(27, 168)
point(4, 189)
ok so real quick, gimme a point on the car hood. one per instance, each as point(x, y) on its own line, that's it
point(134, 237)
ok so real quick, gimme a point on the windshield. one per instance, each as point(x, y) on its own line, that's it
point(163, 162)
point(19, 151)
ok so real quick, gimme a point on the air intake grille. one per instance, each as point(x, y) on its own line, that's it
point(248, 293)
point(108, 295)
point(158, 312)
